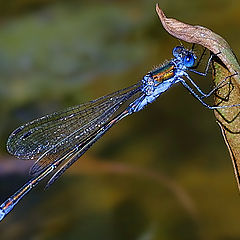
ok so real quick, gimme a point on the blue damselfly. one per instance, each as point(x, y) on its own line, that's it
point(58, 140)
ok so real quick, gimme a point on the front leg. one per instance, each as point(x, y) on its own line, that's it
point(183, 82)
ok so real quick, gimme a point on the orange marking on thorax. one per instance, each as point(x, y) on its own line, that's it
point(163, 73)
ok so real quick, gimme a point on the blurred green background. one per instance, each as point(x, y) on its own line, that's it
point(163, 173)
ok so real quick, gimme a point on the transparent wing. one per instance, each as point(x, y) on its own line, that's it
point(79, 151)
point(54, 136)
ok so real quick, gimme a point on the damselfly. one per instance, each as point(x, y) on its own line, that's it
point(58, 140)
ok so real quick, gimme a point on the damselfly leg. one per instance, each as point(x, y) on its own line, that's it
point(200, 98)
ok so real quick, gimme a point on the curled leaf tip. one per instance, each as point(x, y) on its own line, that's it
point(160, 12)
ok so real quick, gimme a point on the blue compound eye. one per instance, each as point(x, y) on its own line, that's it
point(189, 60)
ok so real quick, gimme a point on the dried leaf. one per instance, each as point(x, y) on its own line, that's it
point(226, 71)
point(228, 118)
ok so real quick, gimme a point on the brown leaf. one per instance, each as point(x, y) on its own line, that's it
point(226, 73)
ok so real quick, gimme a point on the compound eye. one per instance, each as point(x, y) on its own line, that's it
point(189, 60)
point(177, 51)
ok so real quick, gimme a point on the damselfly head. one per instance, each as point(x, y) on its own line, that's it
point(185, 55)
